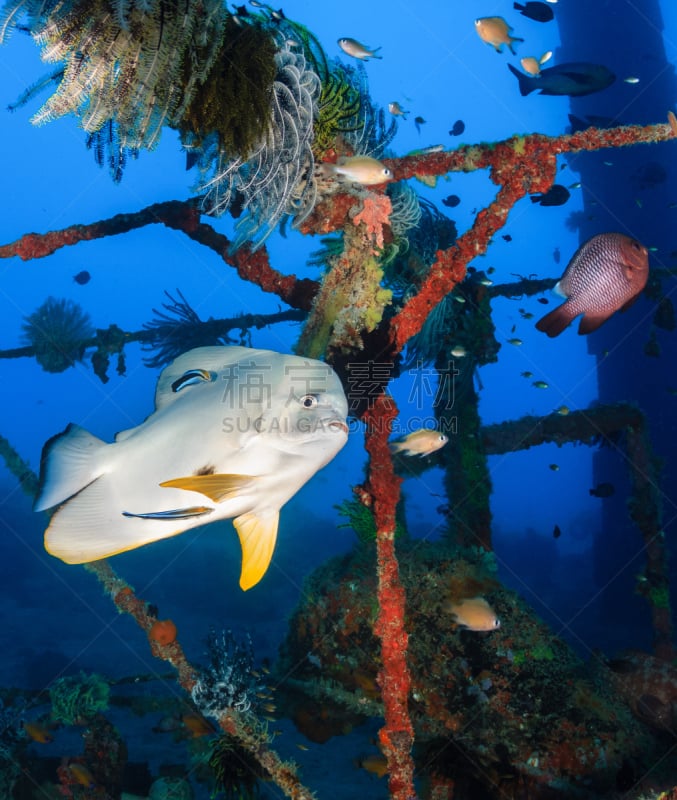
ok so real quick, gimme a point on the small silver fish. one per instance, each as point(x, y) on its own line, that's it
point(356, 49)
point(361, 169)
point(419, 443)
point(396, 109)
point(606, 274)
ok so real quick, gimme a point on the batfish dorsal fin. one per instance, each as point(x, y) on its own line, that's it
point(257, 539)
point(216, 487)
point(209, 359)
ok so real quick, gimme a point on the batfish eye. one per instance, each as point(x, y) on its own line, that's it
point(387, 172)
point(309, 401)
point(191, 377)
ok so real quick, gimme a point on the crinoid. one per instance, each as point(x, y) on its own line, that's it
point(58, 332)
point(236, 771)
point(137, 63)
point(176, 329)
point(276, 179)
point(229, 681)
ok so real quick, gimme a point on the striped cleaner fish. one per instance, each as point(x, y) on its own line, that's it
point(235, 434)
point(607, 273)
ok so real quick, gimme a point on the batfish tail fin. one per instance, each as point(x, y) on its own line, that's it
point(68, 464)
point(258, 534)
point(526, 84)
point(91, 526)
point(556, 321)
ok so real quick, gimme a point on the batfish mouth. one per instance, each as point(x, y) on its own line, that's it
point(338, 425)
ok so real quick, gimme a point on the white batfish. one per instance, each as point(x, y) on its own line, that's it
point(235, 433)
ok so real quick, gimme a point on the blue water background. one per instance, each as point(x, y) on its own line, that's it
point(56, 619)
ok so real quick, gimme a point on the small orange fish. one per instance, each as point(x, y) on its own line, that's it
point(420, 443)
point(197, 725)
point(532, 65)
point(475, 614)
point(81, 775)
point(38, 732)
point(375, 764)
point(496, 32)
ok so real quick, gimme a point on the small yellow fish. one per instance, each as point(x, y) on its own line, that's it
point(515, 341)
point(356, 49)
point(562, 411)
point(360, 169)
point(81, 775)
point(496, 32)
point(475, 614)
point(420, 443)
point(375, 764)
point(459, 351)
point(38, 732)
point(540, 384)
point(396, 110)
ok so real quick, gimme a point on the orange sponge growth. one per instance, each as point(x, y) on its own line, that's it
point(163, 632)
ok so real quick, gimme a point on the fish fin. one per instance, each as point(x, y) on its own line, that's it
point(257, 534)
point(518, 6)
point(556, 321)
point(526, 84)
point(67, 465)
point(216, 487)
point(210, 359)
point(629, 303)
point(557, 289)
point(89, 527)
point(590, 323)
point(514, 39)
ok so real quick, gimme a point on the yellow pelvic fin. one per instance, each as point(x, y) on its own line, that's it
point(216, 487)
point(257, 539)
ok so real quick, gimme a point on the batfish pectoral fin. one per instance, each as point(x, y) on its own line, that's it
point(175, 513)
point(258, 533)
point(216, 487)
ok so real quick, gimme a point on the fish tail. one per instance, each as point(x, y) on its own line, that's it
point(556, 321)
point(374, 51)
point(526, 84)
point(68, 464)
point(514, 39)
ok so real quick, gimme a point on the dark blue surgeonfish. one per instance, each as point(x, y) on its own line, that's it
point(457, 128)
point(576, 78)
point(557, 195)
point(452, 201)
point(540, 12)
point(82, 277)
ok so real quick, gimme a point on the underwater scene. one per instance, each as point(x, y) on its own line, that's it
point(339, 414)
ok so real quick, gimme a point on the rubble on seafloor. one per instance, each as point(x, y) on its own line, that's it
point(513, 706)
